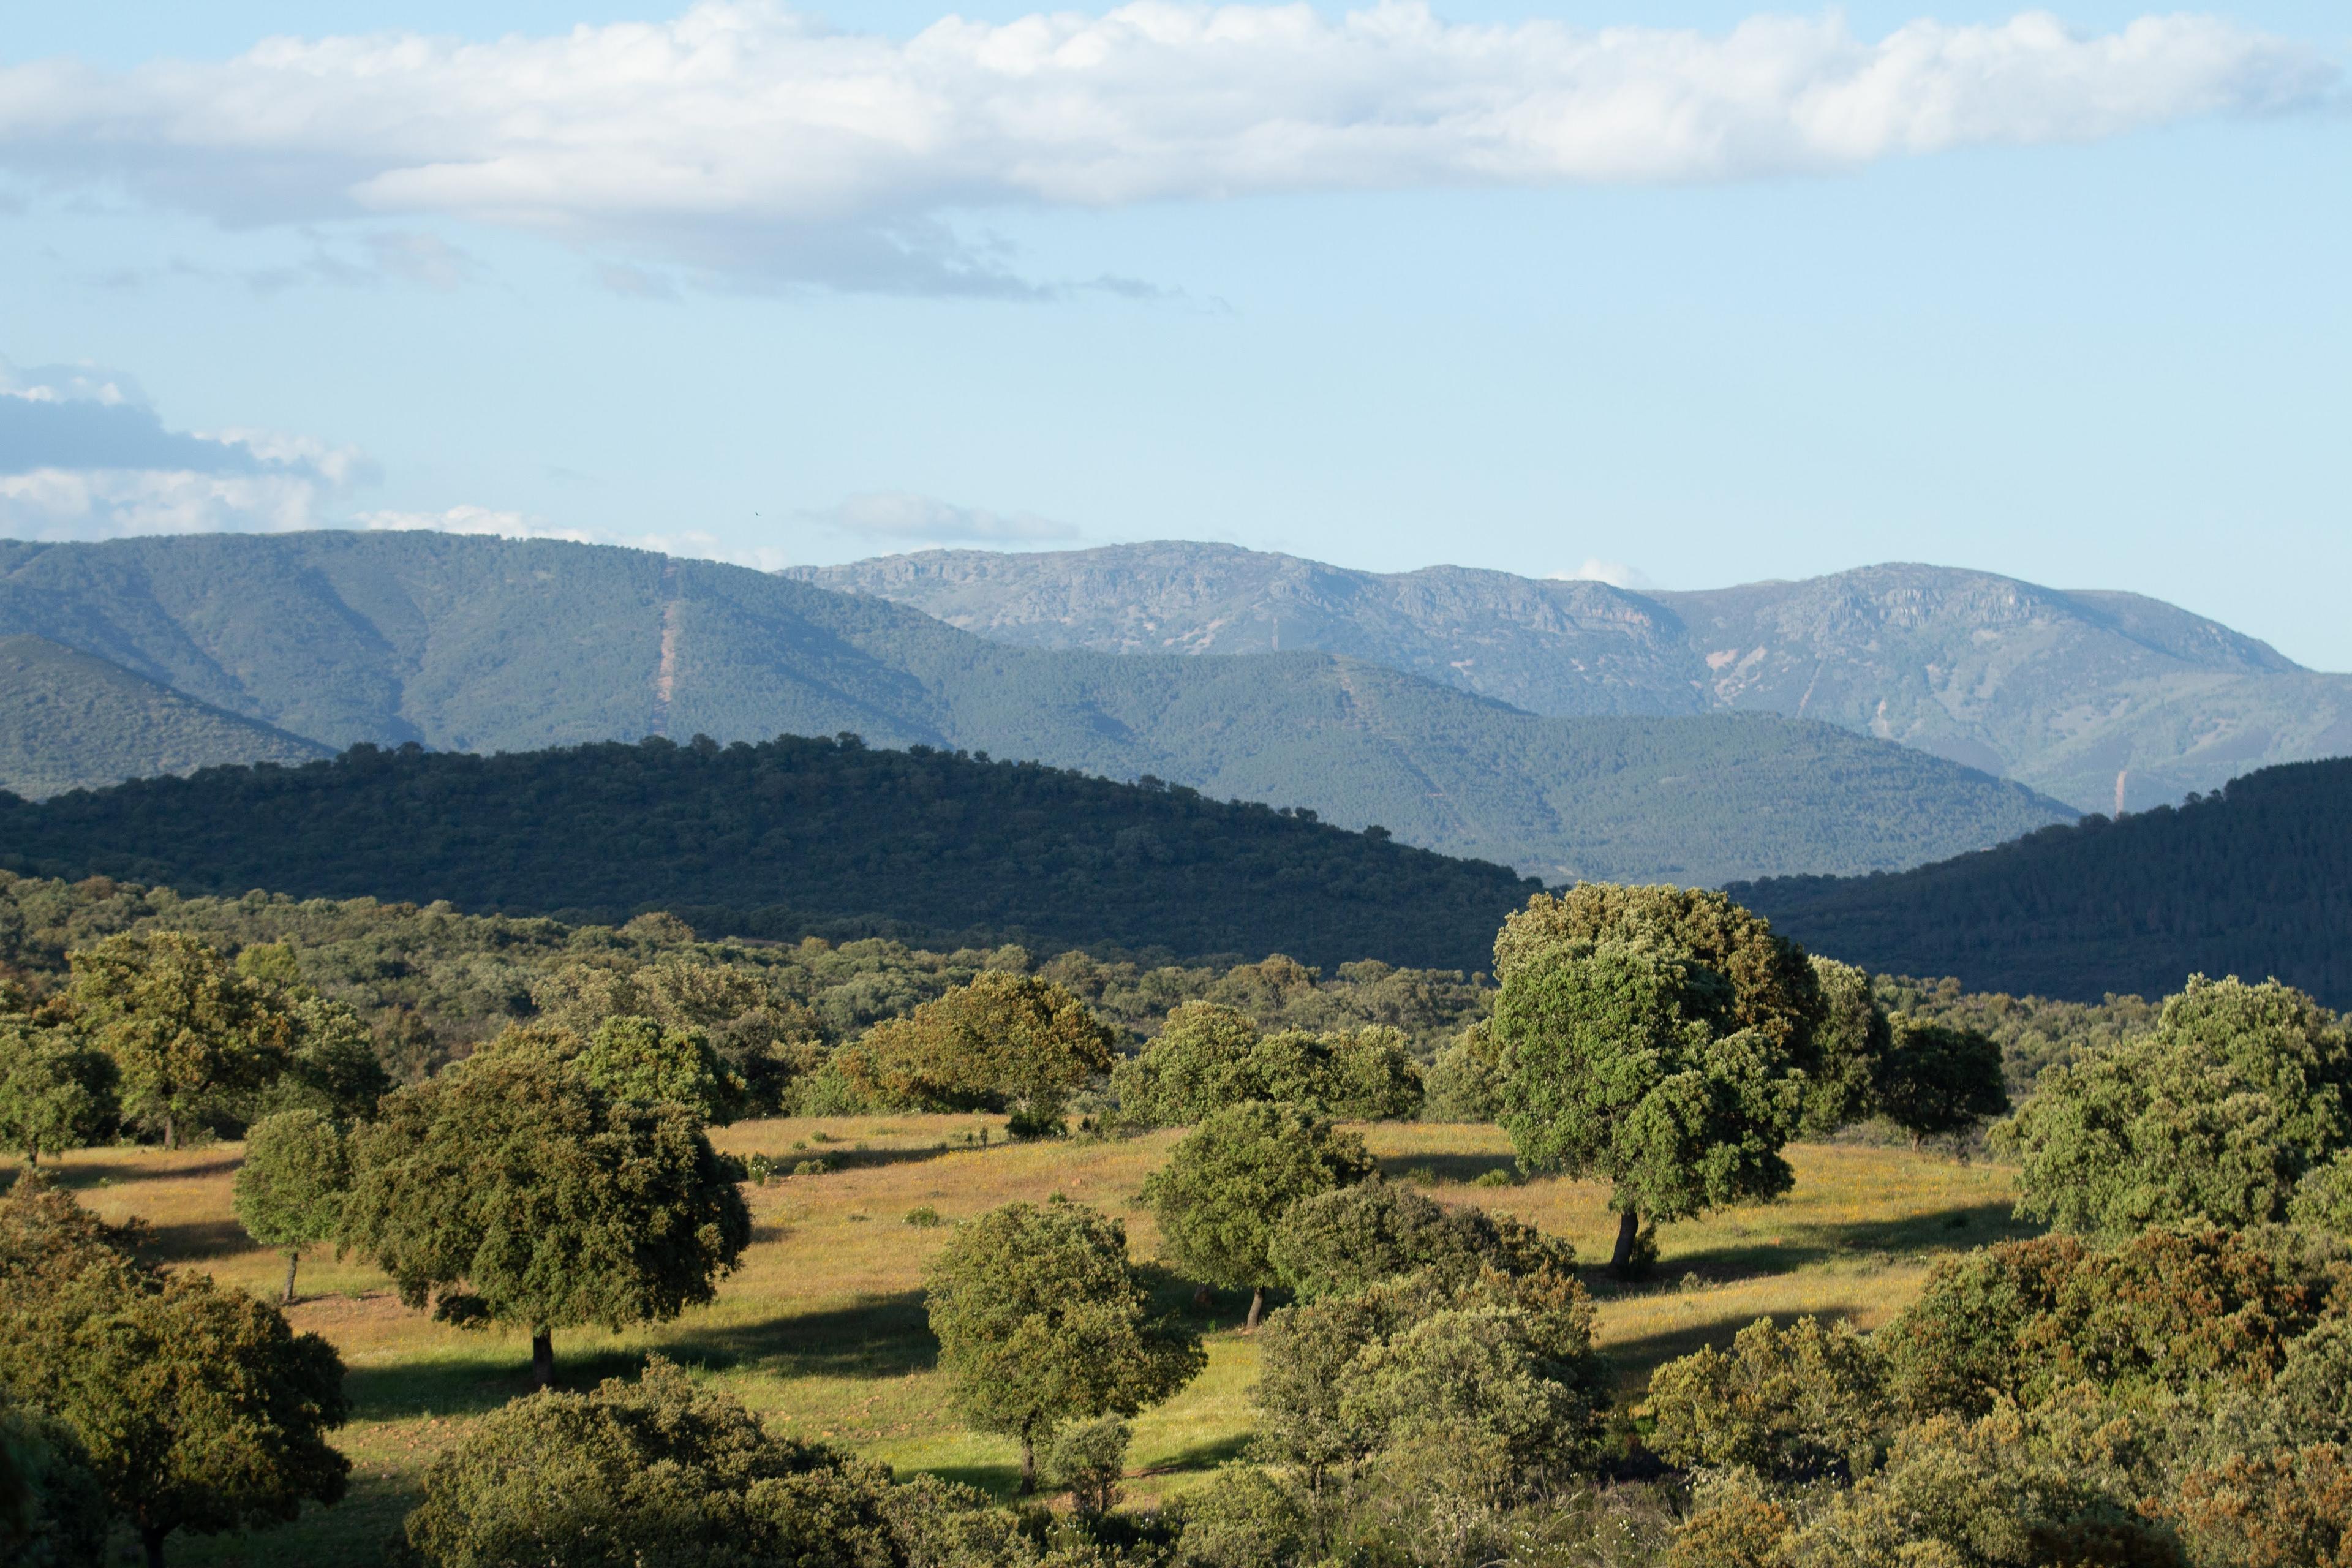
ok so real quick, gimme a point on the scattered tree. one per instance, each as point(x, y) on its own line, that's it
point(1791, 1404)
point(1936, 1079)
point(1626, 1066)
point(197, 1407)
point(55, 1092)
point(2215, 1115)
point(289, 1191)
point(1041, 1319)
point(1466, 1082)
point(1207, 1057)
point(191, 1036)
point(1229, 1182)
point(513, 1180)
point(1850, 1043)
point(1005, 1042)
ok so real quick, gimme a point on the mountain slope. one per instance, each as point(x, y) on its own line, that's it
point(2255, 880)
point(480, 644)
point(69, 721)
point(777, 839)
point(2091, 696)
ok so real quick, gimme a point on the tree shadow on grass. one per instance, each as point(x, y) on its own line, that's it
point(82, 1175)
point(1771, 1248)
point(1464, 1169)
point(1205, 1456)
point(190, 1240)
point(880, 1337)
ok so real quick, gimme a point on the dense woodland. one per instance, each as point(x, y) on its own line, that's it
point(783, 839)
point(2254, 879)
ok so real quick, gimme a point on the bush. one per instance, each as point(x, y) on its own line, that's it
point(1244, 1518)
point(1793, 1404)
point(655, 1472)
point(1087, 1460)
point(924, 1217)
point(1207, 1058)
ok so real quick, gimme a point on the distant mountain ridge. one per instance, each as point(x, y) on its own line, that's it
point(473, 644)
point(2096, 698)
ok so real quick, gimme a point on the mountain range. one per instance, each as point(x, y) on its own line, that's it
point(2109, 701)
point(486, 644)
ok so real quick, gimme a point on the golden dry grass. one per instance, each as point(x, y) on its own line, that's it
point(822, 1325)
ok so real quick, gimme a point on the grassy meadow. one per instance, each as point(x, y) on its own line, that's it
point(822, 1326)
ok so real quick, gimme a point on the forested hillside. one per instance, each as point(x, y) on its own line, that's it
point(781, 839)
point(69, 721)
point(471, 644)
point(2086, 696)
point(2253, 881)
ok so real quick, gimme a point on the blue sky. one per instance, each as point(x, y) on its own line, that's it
point(2088, 324)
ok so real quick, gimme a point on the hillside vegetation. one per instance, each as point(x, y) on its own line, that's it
point(467, 644)
point(783, 838)
point(2095, 697)
point(69, 721)
point(2255, 880)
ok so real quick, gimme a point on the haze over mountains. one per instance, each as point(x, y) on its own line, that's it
point(475, 643)
point(2102, 699)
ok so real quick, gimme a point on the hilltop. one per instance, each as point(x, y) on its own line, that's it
point(2254, 881)
point(482, 645)
point(2102, 699)
point(781, 839)
point(71, 721)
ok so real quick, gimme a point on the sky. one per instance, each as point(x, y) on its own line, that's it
point(1681, 294)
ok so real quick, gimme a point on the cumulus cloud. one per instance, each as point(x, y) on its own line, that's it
point(83, 456)
point(747, 140)
point(895, 517)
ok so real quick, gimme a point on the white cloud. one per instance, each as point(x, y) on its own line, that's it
point(895, 517)
point(746, 139)
point(82, 456)
point(1616, 573)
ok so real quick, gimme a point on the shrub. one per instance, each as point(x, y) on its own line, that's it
point(1087, 1460)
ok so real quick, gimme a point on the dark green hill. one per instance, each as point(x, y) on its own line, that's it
point(783, 838)
point(69, 721)
point(481, 644)
point(2253, 881)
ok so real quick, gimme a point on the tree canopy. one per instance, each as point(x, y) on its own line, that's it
point(1229, 1182)
point(515, 1180)
point(2215, 1114)
point(187, 1030)
point(1938, 1077)
point(1351, 1238)
point(1042, 1318)
point(1206, 1057)
point(195, 1407)
point(1638, 1062)
point(658, 1472)
point(1004, 1042)
point(55, 1093)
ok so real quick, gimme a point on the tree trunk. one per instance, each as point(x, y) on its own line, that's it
point(33, 1156)
point(1257, 1310)
point(292, 1257)
point(1629, 1228)
point(171, 1141)
point(151, 1540)
point(1028, 1465)
point(542, 1356)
